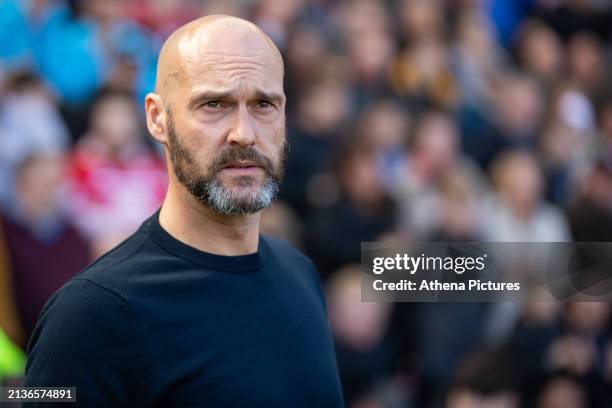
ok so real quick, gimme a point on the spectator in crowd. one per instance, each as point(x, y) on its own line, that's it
point(485, 379)
point(433, 155)
point(421, 20)
point(37, 225)
point(29, 123)
point(537, 326)
point(161, 17)
point(564, 349)
point(370, 55)
point(116, 179)
point(321, 113)
point(364, 349)
point(591, 215)
point(83, 44)
point(308, 60)
point(566, 141)
point(540, 51)
point(422, 74)
point(563, 391)
point(586, 62)
point(386, 124)
point(516, 212)
point(275, 17)
point(518, 109)
point(586, 329)
point(459, 215)
point(477, 62)
point(363, 212)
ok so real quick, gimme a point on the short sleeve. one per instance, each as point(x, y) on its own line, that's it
point(88, 337)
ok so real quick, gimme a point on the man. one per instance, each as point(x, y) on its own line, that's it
point(37, 224)
point(196, 309)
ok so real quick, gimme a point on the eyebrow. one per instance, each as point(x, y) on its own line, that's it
point(206, 96)
point(269, 96)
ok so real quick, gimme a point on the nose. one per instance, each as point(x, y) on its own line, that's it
point(242, 132)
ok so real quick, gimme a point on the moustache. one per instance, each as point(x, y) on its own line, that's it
point(232, 156)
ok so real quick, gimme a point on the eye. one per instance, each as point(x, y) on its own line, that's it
point(263, 104)
point(213, 105)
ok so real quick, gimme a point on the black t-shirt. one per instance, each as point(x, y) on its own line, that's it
point(156, 322)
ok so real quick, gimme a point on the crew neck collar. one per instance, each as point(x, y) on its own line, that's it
point(240, 263)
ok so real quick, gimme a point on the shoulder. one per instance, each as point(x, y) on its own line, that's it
point(101, 289)
point(115, 268)
point(84, 337)
point(80, 317)
point(82, 305)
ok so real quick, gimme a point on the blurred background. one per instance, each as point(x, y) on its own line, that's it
point(409, 120)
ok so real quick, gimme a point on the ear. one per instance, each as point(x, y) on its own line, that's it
point(156, 117)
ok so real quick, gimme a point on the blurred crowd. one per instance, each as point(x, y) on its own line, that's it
point(408, 120)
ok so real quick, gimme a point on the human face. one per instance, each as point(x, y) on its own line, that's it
point(210, 190)
point(226, 124)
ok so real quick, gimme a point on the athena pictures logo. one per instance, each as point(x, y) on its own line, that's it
point(475, 272)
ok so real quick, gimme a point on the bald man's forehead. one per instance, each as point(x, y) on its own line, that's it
point(217, 67)
point(226, 36)
point(214, 47)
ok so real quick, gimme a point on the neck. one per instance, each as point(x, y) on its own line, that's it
point(191, 222)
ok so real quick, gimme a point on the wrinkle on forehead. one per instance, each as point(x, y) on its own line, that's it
point(232, 68)
point(229, 63)
point(232, 59)
point(216, 44)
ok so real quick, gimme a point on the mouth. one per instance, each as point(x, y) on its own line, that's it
point(243, 164)
point(242, 168)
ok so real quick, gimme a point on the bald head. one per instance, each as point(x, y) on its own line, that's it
point(211, 42)
point(219, 111)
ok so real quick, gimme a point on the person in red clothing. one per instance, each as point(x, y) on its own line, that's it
point(116, 180)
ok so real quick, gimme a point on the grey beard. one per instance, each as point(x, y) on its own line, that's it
point(209, 191)
point(225, 201)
